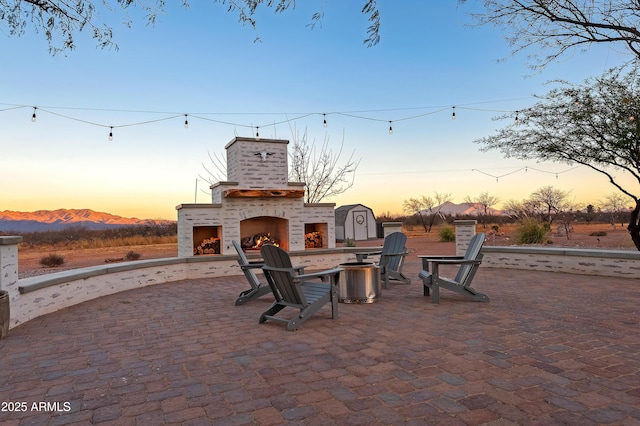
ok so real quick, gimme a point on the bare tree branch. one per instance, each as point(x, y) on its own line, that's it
point(550, 28)
point(320, 168)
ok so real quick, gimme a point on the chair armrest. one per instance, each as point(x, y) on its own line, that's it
point(319, 274)
point(404, 253)
point(252, 265)
point(429, 257)
point(362, 256)
point(455, 261)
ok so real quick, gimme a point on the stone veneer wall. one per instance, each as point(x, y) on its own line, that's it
point(246, 166)
point(237, 209)
point(608, 263)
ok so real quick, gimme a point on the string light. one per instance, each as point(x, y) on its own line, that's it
point(526, 169)
point(202, 115)
point(110, 133)
point(516, 120)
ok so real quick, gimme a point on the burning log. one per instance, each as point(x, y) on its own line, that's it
point(254, 242)
point(208, 246)
point(313, 240)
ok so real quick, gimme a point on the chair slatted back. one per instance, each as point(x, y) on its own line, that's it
point(393, 243)
point(472, 253)
point(287, 290)
point(243, 261)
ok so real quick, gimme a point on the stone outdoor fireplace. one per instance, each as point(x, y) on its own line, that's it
point(257, 205)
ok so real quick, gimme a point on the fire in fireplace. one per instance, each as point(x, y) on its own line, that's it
point(256, 241)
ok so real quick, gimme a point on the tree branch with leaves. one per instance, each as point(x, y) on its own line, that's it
point(62, 21)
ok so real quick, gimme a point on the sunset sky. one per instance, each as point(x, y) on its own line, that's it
point(201, 62)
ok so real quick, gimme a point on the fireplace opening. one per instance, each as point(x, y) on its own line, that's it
point(315, 235)
point(257, 231)
point(206, 240)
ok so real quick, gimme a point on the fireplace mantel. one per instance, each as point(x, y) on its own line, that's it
point(264, 193)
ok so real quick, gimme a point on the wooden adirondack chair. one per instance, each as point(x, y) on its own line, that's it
point(248, 267)
point(469, 264)
point(294, 290)
point(391, 258)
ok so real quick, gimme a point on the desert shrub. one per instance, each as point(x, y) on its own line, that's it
point(349, 242)
point(132, 255)
point(446, 234)
point(495, 228)
point(598, 234)
point(79, 237)
point(52, 260)
point(531, 232)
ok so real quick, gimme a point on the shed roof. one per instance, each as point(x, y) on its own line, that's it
point(343, 211)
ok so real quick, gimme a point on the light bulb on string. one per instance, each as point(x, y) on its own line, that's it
point(453, 113)
point(390, 128)
point(324, 120)
point(257, 133)
point(110, 133)
point(33, 116)
point(516, 120)
point(186, 121)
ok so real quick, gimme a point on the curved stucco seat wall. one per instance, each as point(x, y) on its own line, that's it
point(35, 296)
point(609, 263)
point(40, 295)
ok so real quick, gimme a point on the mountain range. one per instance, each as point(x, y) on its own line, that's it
point(463, 209)
point(55, 220)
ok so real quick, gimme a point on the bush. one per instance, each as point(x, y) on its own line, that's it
point(446, 234)
point(598, 234)
point(349, 242)
point(52, 260)
point(531, 232)
point(132, 255)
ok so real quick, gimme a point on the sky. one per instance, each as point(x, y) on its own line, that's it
point(203, 63)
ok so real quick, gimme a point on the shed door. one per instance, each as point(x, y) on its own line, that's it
point(360, 225)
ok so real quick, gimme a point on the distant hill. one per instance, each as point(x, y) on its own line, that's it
point(56, 220)
point(463, 209)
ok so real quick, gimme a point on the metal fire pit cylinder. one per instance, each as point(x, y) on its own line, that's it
point(359, 282)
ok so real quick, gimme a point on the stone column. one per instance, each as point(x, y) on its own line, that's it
point(9, 270)
point(465, 230)
point(391, 227)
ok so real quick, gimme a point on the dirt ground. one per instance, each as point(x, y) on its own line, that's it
point(418, 242)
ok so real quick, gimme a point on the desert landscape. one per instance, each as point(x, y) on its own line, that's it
point(419, 242)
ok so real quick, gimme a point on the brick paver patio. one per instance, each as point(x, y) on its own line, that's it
point(548, 349)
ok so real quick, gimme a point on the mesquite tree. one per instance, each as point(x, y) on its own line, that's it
point(427, 206)
point(595, 124)
point(62, 21)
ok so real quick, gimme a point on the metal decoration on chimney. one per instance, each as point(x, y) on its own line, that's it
point(263, 155)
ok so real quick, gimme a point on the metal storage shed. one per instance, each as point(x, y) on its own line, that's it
point(356, 222)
